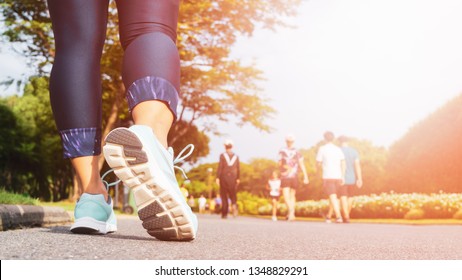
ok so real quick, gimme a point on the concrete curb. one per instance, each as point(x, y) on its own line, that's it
point(19, 216)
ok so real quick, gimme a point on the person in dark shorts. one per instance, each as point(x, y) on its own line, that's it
point(290, 162)
point(228, 179)
point(353, 174)
point(332, 161)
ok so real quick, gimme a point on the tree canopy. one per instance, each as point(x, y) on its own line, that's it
point(428, 158)
point(30, 147)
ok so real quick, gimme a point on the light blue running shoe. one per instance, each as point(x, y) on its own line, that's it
point(144, 165)
point(94, 215)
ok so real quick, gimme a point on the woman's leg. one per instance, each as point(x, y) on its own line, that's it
point(286, 194)
point(151, 69)
point(292, 201)
point(139, 154)
point(79, 28)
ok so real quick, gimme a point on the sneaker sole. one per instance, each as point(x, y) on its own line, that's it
point(163, 217)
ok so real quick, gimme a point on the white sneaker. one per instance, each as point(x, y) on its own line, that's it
point(274, 218)
point(144, 165)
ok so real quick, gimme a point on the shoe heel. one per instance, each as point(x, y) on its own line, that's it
point(163, 217)
point(166, 224)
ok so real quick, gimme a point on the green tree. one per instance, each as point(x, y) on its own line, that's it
point(203, 180)
point(428, 158)
point(256, 175)
point(15, 151)
point(49, 175)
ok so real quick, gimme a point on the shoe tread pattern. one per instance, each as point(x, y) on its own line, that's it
point(163, 218)
point(132, 146)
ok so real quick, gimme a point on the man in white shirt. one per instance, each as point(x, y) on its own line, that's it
point(332, 160)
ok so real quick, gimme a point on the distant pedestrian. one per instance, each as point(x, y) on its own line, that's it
point(218, 204)
point(228, 173)
point(192, 202)
point(290, 162)
point(274, 187)
point(332, 161)
point(202, 204)
point(353, 173)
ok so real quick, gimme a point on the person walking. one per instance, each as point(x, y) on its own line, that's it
point(228, 173)
point(331, 160)
point(274, 187)
point(192, 202)
point(218, 204)
point(202, 204)
point(139, 155)
point(353, 173)
point(290, 162)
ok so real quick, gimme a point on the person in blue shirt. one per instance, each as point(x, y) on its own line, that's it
point(353, 175)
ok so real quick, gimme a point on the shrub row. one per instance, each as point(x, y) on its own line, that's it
point(384, 206)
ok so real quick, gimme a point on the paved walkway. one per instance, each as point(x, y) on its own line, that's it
point(242, 238)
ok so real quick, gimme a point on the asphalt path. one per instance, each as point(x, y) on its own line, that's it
point(242, 238)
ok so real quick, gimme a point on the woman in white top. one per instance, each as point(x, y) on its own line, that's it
point(274, 186)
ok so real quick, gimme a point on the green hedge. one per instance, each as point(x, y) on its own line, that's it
point(250, 204)
point(383, 206)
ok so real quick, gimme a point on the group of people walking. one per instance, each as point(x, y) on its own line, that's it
point(341, 175)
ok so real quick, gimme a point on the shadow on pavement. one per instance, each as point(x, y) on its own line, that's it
point(66, 230)
point(131, 237)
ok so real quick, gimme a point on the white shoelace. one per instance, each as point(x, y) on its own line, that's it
point(179, 158)
point(108, 185)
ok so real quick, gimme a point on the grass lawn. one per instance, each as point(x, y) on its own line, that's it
point(14, 198)
point(65, 204)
